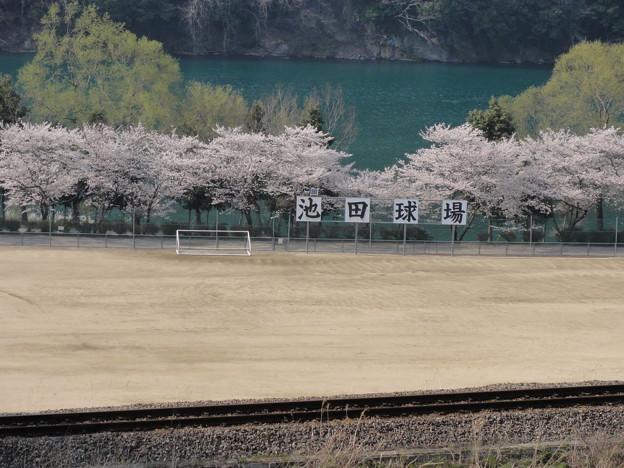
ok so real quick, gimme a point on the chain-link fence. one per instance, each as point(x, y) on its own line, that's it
point(360, 246)
point(530, 236)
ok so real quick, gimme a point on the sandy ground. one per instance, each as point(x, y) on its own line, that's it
point(89, 328)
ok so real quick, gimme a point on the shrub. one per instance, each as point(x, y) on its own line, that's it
point(578, 235)
point(417, 233)
point(120, 227)
point(43, 225)
point(537, 236)
point(508, 236)
point(10, 225)
point(170, 229)
point(149, 229)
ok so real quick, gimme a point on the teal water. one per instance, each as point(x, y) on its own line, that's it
point(394, 101)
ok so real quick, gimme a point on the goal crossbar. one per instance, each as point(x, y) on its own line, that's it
point(213, 242)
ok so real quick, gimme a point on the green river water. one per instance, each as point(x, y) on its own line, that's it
point(394, 101)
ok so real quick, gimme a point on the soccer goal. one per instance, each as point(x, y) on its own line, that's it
point(217, 242)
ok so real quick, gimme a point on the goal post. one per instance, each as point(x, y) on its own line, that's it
point(213, 242)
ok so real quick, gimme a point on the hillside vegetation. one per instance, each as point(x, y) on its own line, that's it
point(518, 31)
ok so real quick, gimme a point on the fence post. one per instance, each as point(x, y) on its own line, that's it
point(288, 233)
point(216, 228)
point(404, 238)
point(50, 225)
point(616, 237)
point(133, 228)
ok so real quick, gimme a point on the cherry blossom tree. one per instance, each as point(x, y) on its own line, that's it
point(462, 163)
point(577, 172)
point(137, 170)
point(107, 172)
point(245, 168)
point(39, 164)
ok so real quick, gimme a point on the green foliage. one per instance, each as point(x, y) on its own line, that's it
point(313, 118)
point(254, 122)
point(603, 19)
point(376, 11)
point(495, 122)
point(89, 68)
point(170, 229)
point(508, 236)
point(206, 106)
point(585, 91)
point(150, 18)
point(592, 237)
point(148, 229)
point(11, 108)
point(496, 29)
point(9, 225)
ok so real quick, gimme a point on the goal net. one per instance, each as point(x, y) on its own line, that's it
point(217, 242)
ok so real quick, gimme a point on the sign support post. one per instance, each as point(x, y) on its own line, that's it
point(308, 209)
point(307, 235)
point(404, 238)
point(452, 240)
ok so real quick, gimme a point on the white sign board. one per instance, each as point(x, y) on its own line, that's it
point(405, 211)
point(309, 209)
point(357, 210)
point(454, 212)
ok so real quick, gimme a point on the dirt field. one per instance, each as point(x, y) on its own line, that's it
point(94, 327)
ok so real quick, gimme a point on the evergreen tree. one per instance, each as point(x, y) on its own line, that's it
point(11, 108)
point(495, 122)
point(313, 118)
point(254, 122)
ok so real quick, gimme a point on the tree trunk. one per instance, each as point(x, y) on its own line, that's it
point(75, 209)
point(198, 216)
point(600, 214)
point(2, 204)
point(248, 218)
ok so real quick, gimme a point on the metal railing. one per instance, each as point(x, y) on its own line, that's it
point(325, 245)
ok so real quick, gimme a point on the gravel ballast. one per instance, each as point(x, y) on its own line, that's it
point(223, 446)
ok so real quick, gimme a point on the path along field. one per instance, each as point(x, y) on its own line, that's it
point(94, 327)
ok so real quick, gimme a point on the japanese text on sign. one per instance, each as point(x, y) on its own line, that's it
point(454, 212)
point(405, 211)
point(309, 209)
point(357, 210)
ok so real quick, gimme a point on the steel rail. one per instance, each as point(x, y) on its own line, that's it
point(55, 424)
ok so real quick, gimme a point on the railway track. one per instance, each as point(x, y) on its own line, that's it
point(115, 420)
